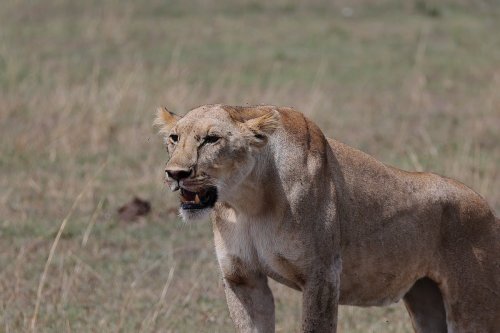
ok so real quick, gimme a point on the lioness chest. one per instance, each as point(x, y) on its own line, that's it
point(257, 246)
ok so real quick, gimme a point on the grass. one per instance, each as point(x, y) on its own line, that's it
point(79, 83)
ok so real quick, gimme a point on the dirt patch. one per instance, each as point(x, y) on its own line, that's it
point(133, 209)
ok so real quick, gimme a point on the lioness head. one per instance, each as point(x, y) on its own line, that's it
point(212, 149)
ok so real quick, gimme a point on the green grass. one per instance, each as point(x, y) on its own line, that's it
point(79, 82)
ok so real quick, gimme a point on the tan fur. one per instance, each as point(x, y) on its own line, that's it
point(333, 222)
point(165, 120)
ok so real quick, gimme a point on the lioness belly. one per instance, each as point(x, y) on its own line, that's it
point(375, 290)
point(382, 267)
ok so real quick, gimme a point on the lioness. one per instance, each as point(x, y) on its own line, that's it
point(331, 221)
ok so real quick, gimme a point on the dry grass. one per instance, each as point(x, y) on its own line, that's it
point(79, 83)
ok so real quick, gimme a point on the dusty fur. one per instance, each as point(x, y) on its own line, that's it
point(333, 222)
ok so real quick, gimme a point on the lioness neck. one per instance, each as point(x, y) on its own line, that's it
point(258, 194)
point(287, 182)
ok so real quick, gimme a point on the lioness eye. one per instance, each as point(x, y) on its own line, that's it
point(174, 138)
point(211, 139)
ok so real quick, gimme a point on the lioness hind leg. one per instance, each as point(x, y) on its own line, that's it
point(469, 276)
point(472, 302)
point(473, 308)
point(424, 303)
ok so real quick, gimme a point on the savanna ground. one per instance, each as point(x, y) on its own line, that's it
point(415, 84)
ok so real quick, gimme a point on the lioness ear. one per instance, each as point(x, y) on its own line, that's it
point(262, 127)
point(165, 120)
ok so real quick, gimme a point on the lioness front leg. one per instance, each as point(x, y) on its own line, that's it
point(250, 303)
point(320, 301)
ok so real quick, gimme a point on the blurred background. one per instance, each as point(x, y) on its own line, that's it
point(414, 83)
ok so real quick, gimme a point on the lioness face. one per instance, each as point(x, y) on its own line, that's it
point(211, 153)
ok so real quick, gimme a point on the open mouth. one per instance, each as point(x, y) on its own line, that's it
point(204, 198)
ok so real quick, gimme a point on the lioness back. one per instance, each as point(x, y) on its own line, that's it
point(394, 221)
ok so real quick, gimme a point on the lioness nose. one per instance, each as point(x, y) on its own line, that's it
point(178, 174)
